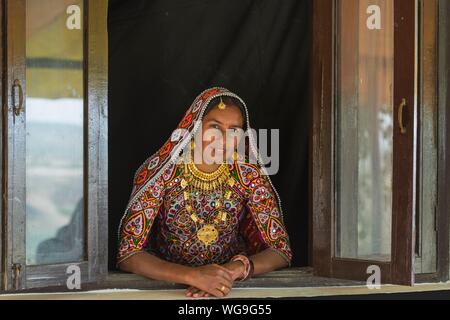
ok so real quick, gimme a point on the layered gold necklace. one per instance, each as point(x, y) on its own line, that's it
point(197, 180)
point(204, 180)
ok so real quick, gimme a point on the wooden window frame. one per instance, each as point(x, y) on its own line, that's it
point(442, 215)
point(426, 198)
point(95, 159)
point(94, 266)
point(443, 206)
point(324, 261)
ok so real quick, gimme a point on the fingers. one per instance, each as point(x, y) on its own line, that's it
point(221, 290)
point(196, 293)
point(218, 293)
point(201, 294)
point(224, 286)
point(225, 289)
point(190, 291)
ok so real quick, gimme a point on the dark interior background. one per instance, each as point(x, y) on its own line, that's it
point(163, 53)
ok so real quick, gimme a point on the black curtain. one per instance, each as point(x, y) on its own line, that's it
point(163, 53)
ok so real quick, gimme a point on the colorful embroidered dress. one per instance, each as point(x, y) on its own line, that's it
point(243, 216)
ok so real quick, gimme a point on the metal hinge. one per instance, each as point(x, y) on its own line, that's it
point(16, 275)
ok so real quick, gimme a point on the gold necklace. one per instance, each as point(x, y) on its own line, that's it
point(206, 181)
point(208, 233)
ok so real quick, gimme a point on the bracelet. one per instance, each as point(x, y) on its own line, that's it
point(248, 266)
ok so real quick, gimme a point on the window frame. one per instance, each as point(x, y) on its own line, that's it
point(324, 261)
point(94, 267)
point(442, 273)
point(443, 203)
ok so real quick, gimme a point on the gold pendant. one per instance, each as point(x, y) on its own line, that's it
point(208, 234)
point(224, 216)
point(222, 105)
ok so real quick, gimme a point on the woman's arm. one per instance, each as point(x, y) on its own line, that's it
point(150, 266)
point(209, 278)
point(264, 261)
point(267, 260)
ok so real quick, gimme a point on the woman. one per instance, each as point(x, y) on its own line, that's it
point(204, 223)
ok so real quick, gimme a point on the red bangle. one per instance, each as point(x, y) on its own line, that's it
point(248, 266)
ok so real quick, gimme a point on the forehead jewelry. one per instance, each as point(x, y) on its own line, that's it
point(222, 105)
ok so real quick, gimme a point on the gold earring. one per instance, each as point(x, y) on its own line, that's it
point(221, 105)
point(192, 144)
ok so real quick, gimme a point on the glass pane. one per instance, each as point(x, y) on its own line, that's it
point(364, 129)
point(54, 125)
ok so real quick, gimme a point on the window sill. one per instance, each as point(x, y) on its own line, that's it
point(283, 278)
point(285, 283)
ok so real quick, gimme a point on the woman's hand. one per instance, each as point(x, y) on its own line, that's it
point(235, 268)
point(213, 279)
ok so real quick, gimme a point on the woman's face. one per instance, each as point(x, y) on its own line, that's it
point(222, 130)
